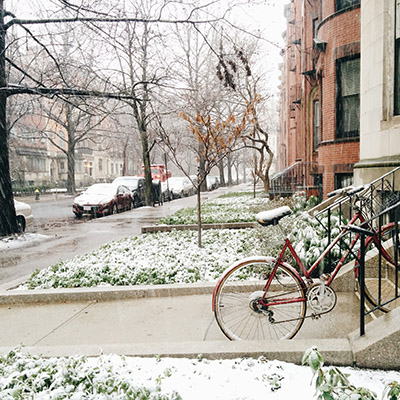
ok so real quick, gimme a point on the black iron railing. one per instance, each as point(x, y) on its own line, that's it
point(299, 176)
point(377, 254)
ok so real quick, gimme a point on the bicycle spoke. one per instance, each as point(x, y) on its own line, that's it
point(239, 309)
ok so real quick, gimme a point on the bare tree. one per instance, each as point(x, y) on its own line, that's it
point(240, 77)
point(32, 81)
point(217, 139)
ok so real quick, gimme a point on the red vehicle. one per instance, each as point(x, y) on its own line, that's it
point(103, 199)
point(159, 172)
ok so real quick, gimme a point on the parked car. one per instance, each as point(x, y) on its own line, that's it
point(180, 186)
point(195, 183)
point(166, 191)
point(136, 184)
point(24, 215)
point(212, 182)
point(103, 199)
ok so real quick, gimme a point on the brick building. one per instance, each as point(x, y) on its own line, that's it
point(320, 118)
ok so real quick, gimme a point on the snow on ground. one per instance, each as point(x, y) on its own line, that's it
point(114, 377)
point(19, 241)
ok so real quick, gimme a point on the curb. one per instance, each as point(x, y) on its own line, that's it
point(169, 228)
point(104, 293)
point(336, 351)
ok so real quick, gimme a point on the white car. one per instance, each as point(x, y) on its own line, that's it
point(24, 215)
point(180, 186)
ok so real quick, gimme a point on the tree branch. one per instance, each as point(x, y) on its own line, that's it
point(22, 22)
point(13, 90)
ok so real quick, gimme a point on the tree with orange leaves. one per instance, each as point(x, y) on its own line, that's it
point(216, 139)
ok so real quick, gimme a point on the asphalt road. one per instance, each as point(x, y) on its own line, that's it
point(55, 207)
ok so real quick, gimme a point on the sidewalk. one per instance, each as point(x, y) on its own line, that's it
point(168, 320)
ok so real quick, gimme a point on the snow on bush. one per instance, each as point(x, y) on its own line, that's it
point(157, 258)
point(233, 207)
point(23, 376)
point(174, 257)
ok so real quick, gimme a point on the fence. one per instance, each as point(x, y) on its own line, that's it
point(297, 177)
point(379, 264)
point(377, 258)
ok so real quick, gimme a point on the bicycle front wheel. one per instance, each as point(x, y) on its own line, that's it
point(380, 286)
point(243, 315)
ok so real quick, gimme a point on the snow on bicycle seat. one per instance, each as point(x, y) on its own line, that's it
point(272, 217)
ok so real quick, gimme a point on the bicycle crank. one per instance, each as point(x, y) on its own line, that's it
point(321, 298)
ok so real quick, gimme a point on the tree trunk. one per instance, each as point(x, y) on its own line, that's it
point(221, 173)
point(71, 188)
point(125, 158)
point(202, 172)
point(146, 164)
point(8, 219)
point(199, 219)
point(229, 166)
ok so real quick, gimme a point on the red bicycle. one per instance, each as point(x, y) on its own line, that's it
point(261, 298)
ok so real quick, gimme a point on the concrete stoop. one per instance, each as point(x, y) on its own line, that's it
point(379, 347)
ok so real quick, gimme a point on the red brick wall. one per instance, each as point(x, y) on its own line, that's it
point(341, 31)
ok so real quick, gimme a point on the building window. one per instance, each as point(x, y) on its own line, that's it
point(348, 97)
point(397, 61)
point(100, 164)
point(343, 180)
point(62, 166)
point(341, 4)
point(316, 125)
point(60, 140)
point(36, 164)
point(315, 27)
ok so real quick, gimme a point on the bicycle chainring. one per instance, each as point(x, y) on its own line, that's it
point(321, 298)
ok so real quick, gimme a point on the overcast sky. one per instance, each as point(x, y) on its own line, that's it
point(268, 17)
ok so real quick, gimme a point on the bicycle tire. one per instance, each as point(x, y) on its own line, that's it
point(371, 290)
point(241, 287)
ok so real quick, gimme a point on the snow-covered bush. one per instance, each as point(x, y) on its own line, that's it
point(232, 207)
point(156, 258)
point(174, 257)
point(32, 377)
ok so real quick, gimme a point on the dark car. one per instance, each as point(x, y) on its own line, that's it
point(136, 184)
point(103, 199)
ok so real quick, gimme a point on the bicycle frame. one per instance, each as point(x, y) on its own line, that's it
point(307, 272)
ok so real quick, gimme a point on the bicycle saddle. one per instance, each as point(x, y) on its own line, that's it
point(272, 217)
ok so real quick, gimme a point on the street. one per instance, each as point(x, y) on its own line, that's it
point(58, 235)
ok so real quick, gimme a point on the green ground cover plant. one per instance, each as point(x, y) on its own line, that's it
point(174, 257)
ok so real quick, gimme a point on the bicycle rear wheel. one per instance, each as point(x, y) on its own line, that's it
point(381, 288)
point(237, 301)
